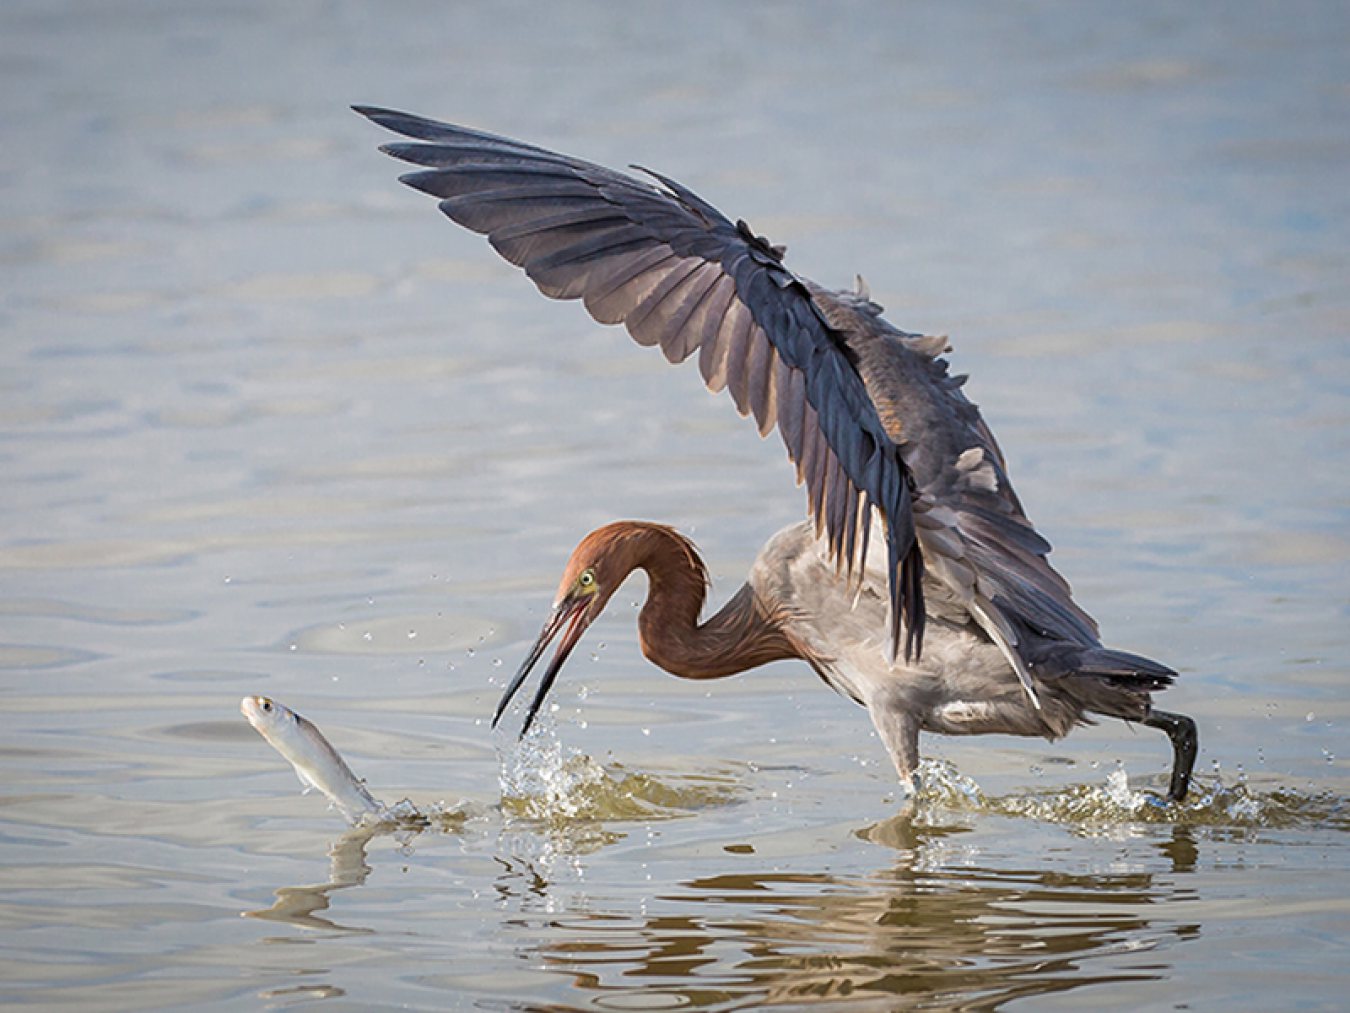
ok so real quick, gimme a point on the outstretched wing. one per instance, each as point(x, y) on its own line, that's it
point(679, 274)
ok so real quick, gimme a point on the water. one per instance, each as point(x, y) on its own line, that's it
point(269, 425)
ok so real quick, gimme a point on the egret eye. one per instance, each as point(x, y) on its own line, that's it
point(587, 580)
point(266, 705)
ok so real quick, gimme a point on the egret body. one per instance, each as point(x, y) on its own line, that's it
point(919, 588)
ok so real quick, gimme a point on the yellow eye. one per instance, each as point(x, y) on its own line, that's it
point(586, 582)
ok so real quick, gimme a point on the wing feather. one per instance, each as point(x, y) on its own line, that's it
point(792, 409)
point(739, 333)
point(679, 333)
point(565, 253)
point(714, 349)
point(760, 385)
point(699, 332)
point(607, 297)
point(646, 321)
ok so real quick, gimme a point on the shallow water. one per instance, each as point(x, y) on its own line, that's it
point(268, 424)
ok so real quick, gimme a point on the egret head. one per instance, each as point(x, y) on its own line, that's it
point(599, 564)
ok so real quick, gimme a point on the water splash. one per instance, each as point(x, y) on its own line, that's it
point(406, 816)
point(939, 783)
point(1112, 802)
point(1211, 802)
point(541, 779)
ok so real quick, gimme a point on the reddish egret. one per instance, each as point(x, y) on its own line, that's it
point(881, 435)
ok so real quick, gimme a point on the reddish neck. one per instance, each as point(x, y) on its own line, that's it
point(743, 634)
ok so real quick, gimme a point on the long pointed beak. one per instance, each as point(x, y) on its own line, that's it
point(569, 613)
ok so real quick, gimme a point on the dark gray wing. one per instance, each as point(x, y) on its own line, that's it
point(982, 555)
point(679, 274)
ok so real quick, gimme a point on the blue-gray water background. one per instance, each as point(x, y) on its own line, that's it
point(270, 424)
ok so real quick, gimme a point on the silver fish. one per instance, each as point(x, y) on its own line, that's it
point(316, 762)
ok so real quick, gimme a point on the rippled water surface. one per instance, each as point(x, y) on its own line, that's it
point(269, 424)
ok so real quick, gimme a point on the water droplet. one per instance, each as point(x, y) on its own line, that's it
point(496, 662)
point(1310, 716)
point(421, 662)
point(412, 634)
point(470, 652)
point(342, 626)
point(601, 646)
point(295, 647)
point(646, 731)
point(367, 636)
point(228, 579)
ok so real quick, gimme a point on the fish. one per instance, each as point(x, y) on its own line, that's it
point(316, 762)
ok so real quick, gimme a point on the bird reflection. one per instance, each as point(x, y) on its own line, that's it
point(918, 930)
point(1180, 849)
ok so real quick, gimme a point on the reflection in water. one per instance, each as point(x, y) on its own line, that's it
point(950, 922)
point(964, 935)
point(952, 918)
point(300, 993)
point(298, 905)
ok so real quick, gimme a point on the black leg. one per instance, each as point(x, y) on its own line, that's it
point(1185, 740)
